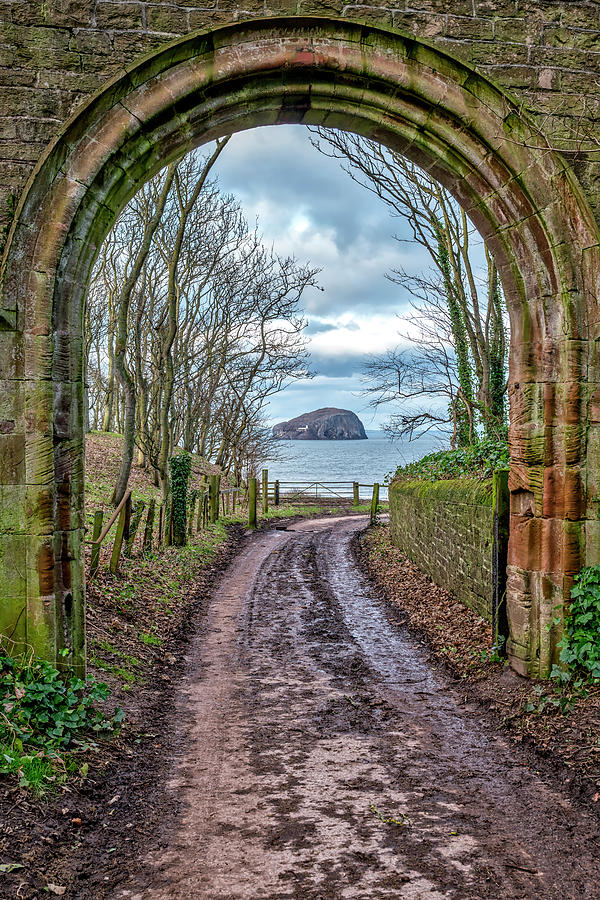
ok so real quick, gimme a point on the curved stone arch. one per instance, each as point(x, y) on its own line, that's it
point(408, 95)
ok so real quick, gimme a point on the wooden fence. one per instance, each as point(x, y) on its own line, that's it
point(205, 506)
point(208, 503)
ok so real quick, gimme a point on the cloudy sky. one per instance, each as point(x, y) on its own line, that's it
point(308, 207)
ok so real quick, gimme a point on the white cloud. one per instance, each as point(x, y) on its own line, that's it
point(309, 208)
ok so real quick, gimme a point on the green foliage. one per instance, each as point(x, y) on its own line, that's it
point(43, 715)
point(580, 645)
point(43, 710)
point(496, 417)
point(579, 649)
point(562, 697)
point(460, 412)
point(480, 460)
point(152, 640)
point(180, 467)
point(495, 654)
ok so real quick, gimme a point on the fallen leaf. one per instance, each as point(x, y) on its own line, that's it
point(10, 867)
point(57, 889)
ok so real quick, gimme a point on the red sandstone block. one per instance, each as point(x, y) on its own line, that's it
point(552, 545)
point(563, 493)
point(525, 544)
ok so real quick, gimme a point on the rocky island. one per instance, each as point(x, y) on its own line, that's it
point(328, 424)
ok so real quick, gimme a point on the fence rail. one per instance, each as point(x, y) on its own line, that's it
point(320, 491)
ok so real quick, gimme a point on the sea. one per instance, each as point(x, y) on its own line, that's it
point(368, 461)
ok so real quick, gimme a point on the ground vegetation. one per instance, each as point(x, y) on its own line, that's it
point(477, 460)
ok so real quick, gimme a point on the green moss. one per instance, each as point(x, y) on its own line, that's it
point(469, 491)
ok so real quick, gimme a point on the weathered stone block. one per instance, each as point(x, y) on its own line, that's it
point(592, 543)
point(13, 581)
point(12, 509)
point(71, 13)
point(377, 15)
point(13, 624)
point(124, 16)
point(167, 19)
point(12, 458)
point(12, 356)
point(320, 7)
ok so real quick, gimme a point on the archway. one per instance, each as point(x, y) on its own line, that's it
point(399, 91)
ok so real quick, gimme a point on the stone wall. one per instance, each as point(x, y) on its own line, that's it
point(447, 529)
point(54, 54)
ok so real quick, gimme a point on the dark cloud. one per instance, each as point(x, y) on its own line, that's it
point(338, 366)
point(316, 327)
point(308, 207)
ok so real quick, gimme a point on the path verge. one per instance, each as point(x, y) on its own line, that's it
point(461, 641)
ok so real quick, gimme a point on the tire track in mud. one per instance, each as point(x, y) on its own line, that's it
point(321, 757)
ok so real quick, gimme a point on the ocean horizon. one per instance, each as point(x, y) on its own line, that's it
point(375, 459)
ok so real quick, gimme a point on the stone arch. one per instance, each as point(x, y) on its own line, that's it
point(439, 112)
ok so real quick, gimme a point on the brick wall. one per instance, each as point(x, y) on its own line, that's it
point(447, 529)
point(54, 54)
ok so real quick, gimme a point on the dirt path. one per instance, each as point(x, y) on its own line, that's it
point(307, 722)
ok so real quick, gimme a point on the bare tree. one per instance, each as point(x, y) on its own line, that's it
point(211, 323)
point(474, 316)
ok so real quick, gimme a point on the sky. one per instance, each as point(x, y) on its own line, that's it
point(308, 207)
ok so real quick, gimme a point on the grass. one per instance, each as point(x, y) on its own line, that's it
point(38, 772)
point(151, 640)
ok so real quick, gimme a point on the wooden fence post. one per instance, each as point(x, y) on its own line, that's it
point(95, 560)
point(501, 511)
point(161, 518)
point(276, 494)
point(355, 494)
point(147, 546)
point(121, 534)
point(200, 508)
point(252, 503)
point(374, 503)
point(214, 499)
point(265, 491)
point(136, 518)
point(193, 498)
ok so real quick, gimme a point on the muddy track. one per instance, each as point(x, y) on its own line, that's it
point(319, 755)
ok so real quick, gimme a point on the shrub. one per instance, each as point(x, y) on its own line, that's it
point(43, 715)
point(480, 460)
point(580, 645)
